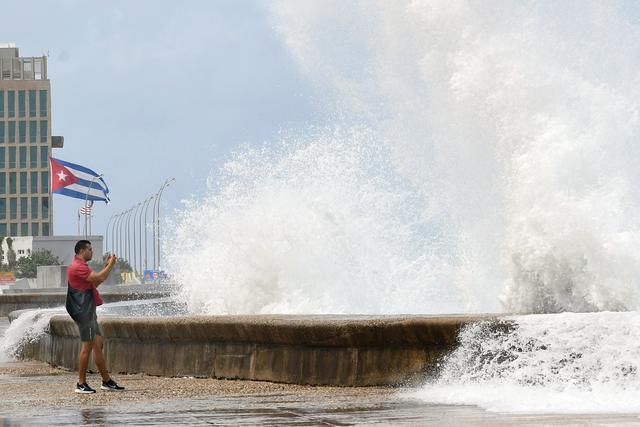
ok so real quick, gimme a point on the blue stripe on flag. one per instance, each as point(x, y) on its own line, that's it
point(79, 195)
point(94, 186)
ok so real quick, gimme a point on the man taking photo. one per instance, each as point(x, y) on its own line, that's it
point(82, 299)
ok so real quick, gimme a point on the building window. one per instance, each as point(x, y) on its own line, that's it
point(3, 233)
point(3, 183)
point(12, 157)
point(21, 251)
point(1, 157)
point(44, 182)
point(11, 103)
point(21, 103)
point(45, 229)
point(2, 132)
point(23, 183)
point(12, 132)
point(12, 182)
point(34, 208)
point(44, 130)
point(32, 103)
point(33, 131)
point(24, 208)
point(35, 229)
point(44, 157)
point(45, 210)
point(43, 103)
point(3, 209)
point(1, 104)
point(13, 208)
point(13, 228)
point(34, 182)
point(23, 157)
point(24, 230)
point(22, 131)
point(33, 156)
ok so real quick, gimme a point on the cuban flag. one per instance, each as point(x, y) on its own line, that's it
point(77, 181)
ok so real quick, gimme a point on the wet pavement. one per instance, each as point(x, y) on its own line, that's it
point(33, 393)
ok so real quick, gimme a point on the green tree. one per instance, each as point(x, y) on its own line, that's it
point(1, 252)
point(28, 266)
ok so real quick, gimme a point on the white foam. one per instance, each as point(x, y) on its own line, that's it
point(544, 363)
point(319, 226)
point(25, 329)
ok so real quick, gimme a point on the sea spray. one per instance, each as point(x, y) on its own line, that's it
point(516, 121)
point(27, 328)
point(566, 362)
point(321, 225)
point(513, 129)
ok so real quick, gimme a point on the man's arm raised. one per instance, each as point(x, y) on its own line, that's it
point(97, 278)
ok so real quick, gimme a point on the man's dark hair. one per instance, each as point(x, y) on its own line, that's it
point(81, 245)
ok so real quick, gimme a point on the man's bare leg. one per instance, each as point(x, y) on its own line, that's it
point(99, 358)
point(83, 362)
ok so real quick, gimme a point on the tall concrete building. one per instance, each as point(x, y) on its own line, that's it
point(25, 145)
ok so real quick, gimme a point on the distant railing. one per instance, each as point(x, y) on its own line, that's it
point(27, 68)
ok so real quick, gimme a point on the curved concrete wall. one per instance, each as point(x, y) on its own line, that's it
point(321, 350)
point(21, 301)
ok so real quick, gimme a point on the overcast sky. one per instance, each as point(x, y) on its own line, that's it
point(146, 90)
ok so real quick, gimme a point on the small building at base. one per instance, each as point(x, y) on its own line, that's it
point(60, 246)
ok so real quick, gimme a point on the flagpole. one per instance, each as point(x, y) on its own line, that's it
point(86, 200)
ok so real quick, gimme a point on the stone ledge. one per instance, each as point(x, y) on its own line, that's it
point(21, 301)
point(317, 350)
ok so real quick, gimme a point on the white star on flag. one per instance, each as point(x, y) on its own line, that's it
point(62, 176)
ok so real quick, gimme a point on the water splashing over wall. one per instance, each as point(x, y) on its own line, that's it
point(505, 136)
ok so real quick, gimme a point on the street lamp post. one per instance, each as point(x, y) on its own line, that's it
point(156, 266)
point(128, 235)
point(146, 238)
point(106, 234)
point(144, 204)
point(115, 234)
point(120, 233)
point(135, 263)
point(114, 242)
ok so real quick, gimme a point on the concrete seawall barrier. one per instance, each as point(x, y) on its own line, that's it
point(318, 350)
point(20, 301)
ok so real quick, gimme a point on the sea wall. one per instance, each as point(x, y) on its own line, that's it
point(46, 299)
point(318, 350)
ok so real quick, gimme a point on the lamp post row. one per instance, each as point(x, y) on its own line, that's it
point(126, 242)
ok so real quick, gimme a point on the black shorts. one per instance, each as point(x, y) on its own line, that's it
point(89, 329)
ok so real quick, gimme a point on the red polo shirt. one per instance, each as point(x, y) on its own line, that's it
point(77, 275)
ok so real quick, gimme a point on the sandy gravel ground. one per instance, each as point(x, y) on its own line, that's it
point(29, 384)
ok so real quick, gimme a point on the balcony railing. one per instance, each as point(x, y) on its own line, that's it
point(24, 68)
